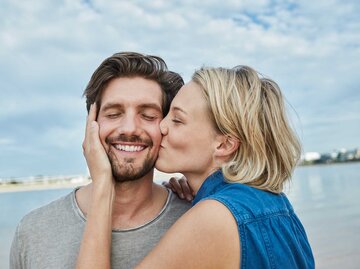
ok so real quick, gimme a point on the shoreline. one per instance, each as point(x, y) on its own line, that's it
point(159, 177)
point(40, 186)
point(328, 163)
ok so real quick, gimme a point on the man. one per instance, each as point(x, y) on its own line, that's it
point(132, 93)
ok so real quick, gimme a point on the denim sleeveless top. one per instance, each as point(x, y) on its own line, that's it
point(271, 235)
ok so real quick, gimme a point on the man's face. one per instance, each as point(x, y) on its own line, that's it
point(129, 118)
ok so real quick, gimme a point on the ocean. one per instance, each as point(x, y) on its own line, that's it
point(325, 197)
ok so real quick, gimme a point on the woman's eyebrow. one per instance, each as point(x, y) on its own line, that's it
point(176, 108)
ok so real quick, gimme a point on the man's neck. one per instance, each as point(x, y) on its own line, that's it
point(136, 202)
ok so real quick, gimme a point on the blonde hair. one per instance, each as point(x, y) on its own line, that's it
point(251, 109)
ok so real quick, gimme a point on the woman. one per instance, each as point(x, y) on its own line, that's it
point(228, 134)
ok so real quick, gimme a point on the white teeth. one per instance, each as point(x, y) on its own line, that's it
point(129, 148)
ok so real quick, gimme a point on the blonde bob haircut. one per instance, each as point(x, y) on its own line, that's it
point(251, 109)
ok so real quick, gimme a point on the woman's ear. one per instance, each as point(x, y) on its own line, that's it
point(226, 146)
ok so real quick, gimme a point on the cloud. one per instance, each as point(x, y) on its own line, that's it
point(6, 141)
point(49, 50)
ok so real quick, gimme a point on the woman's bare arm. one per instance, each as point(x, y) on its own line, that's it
point(204, 237)
point(95, 250)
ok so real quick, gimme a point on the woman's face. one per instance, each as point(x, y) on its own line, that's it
point(189, 138)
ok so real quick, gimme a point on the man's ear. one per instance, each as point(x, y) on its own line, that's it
point(226, 146)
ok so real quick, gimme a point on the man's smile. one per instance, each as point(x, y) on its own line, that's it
point(129, 148)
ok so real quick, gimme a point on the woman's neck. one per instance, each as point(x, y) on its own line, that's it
point(195, 180)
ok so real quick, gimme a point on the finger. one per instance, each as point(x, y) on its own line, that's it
point(176, 187)
point(186, 189)
point(168, 186)
point(95, 144)
point(89, 128)
point(94, 134)
point(92, 112)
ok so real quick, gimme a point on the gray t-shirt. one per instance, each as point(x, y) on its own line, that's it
point(50, 237)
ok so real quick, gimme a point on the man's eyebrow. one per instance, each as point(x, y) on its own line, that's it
point(176, 108)
point(110, 106)
point(151, 106)
point(140, 107)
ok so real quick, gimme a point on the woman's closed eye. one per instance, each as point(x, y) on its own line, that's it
point(176, 120)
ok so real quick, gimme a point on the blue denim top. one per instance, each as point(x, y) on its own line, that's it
point(271, 235)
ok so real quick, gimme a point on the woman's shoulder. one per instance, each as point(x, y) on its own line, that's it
point(247, 203)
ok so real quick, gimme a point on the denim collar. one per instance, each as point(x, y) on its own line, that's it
point(209, 186)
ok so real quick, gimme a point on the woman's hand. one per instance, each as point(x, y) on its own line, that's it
point(181, 187)
point(95, 249)
point(94, 152)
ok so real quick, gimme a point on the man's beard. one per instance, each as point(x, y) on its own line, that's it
point(124, 170)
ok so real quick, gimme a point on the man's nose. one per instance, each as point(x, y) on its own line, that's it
point(128, 125)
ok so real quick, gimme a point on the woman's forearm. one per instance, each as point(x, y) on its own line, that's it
point(95, 250)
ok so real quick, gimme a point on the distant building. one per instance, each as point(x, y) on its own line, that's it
point(357, 153)
point(336, 156)
point(311, 156)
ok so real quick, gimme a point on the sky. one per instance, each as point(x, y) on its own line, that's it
point(49, 49)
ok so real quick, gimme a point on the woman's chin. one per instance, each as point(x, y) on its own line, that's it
point(164, 167)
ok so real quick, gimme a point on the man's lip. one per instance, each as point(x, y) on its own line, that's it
point(130, 144)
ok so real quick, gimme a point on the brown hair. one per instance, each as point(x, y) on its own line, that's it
point(132, 64)
point(251, 109)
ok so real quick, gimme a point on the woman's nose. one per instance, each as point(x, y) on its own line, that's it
point(163, 126)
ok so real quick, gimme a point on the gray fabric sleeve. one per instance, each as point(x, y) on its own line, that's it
point(15, 261)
